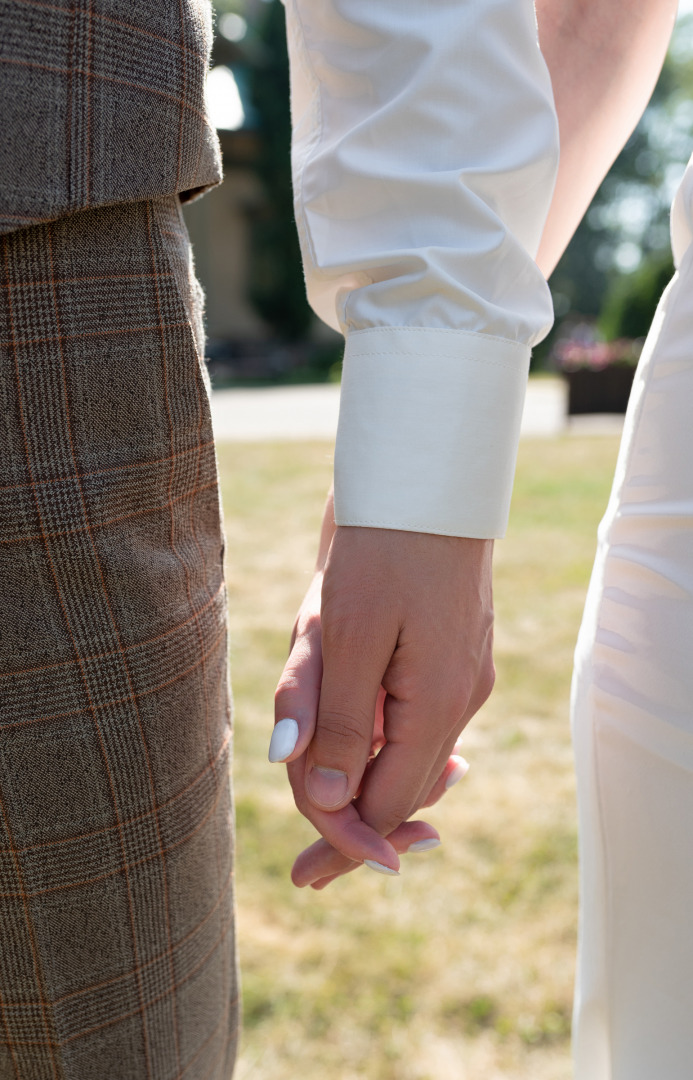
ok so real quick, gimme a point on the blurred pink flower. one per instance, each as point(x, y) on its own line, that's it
point(571, 354)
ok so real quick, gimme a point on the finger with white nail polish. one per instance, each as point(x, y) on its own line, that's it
point(380, 868)
point(284, 739)
point(423, 845)
point(460, 769)
point(455, 768)
point(298, 692)
point(321, 863)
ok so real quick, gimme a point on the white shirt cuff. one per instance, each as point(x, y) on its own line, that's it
point(428, 430)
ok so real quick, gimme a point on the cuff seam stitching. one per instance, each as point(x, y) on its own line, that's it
point(496, 361)
point(436, 330)
point(413, 526)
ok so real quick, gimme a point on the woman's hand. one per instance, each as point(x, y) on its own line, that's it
point(391, 653)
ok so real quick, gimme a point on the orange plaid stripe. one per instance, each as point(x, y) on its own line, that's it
point(116, 871)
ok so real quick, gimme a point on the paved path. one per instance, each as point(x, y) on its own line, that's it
point(310, 412)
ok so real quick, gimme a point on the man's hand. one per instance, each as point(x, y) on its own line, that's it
point(410, 613)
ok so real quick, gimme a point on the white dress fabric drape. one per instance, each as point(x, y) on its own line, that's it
point(633, 723)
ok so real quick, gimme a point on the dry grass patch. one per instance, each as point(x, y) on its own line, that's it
point(463, 967)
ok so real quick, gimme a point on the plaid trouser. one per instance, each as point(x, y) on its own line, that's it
point(117, 954)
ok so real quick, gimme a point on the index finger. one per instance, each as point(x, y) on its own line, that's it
point(321, 863)
point(356, 651)
point(344, 828)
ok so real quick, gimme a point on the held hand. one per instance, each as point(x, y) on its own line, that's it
point(409, 612)
point(321, 863)
point(299, 694)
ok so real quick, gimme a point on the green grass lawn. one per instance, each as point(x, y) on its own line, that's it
point(462, 968)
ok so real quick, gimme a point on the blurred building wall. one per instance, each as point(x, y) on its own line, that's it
point(219, 227)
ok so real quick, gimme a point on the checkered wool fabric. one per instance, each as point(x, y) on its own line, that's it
point(101, 102)
point(116, 901)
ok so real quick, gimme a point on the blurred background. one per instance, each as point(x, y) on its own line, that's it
point(462, 968)
point(259, 325)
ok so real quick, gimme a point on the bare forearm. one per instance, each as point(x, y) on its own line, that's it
point(327, 531)
point(604, 57)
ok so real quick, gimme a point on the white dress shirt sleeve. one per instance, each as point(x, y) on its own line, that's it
point(425, 148)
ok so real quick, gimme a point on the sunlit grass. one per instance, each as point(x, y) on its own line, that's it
point(463, 967)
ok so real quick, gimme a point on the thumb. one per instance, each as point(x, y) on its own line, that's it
point(356, 650)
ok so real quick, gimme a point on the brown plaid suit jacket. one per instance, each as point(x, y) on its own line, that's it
point(102, 102)
point(117, 958)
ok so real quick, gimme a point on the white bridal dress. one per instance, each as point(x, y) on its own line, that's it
point(633, 722)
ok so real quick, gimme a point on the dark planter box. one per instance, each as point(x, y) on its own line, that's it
point(605, 391)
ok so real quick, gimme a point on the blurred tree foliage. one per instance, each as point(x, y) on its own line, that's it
point(632, 299)
point(276, 278)
point(619, 260)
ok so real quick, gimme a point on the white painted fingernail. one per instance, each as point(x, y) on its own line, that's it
point(284, 739)
point(380, 868)
point(461, 769)
point(423, 845)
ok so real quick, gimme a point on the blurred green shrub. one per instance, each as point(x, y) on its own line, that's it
point(632, 299)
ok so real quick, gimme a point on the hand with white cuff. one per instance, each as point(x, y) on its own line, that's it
point(391, 657)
